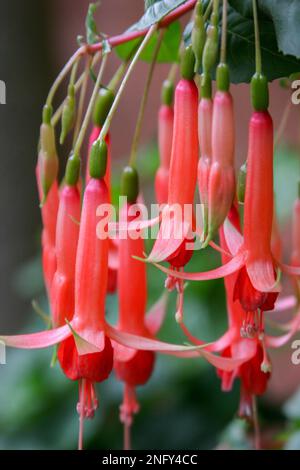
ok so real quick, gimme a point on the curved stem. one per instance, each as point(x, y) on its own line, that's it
point(78, 84)
point(138, 129)
point(207, 11)
point(224, 33)
point(63, 74)
point(113, 109)
point(257, 40)
point(168, 19)
point(89, 111)
point(82, 99)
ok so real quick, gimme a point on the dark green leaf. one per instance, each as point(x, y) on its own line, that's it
point(241, 48)
point(169, 49)
point(285, 16)
point(92, 35)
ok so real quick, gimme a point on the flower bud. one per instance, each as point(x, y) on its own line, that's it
point(68, 114)
point(98, 159)
point(48, 160)
point(198, 35)
point(130, 184)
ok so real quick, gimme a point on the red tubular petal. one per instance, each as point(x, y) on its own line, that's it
point(258, 208)
point(183, 171)
point(229, 268)
point(39, 340)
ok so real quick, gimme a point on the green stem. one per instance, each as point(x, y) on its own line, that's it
point(78, 84)
point(90, 107)
point(61, 76)
point(215, 13)
point(82, 99)
point(224, 33)
point(113, 109)
point(257, 40)
point(138, 128)
point(207, 11)
point(172, 73)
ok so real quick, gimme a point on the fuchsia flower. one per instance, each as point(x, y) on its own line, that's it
point(67, 232)
point(251, 254)
point(205, 113)
point(49, 215)
point(221, 181)
point(176, 223)
point(132, 366)
point(245, 338)
point(165, 137)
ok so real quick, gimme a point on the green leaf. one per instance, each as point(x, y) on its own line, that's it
point(241, 48)
point(92, 35)
point(156, 12)
point(169, 50)
point(285, 16)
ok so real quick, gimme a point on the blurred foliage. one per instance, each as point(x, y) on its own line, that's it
point(181, 407)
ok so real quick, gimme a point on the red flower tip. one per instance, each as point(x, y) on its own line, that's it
point(94, 367)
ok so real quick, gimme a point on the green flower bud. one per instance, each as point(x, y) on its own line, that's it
point(205, 87)
point(98, 159)
point(167, 92)
point(68, 114)
point(102, 107)
point(130, 184)
point(223, 80)
point(72, 170)
point(198, 35)
point(259, 92)
point(187, 66)
point(210, 51)
point(48, 159)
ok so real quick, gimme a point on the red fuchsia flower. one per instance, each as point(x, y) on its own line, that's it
point(102, 107)
point(165, 137)
point(175, 233)
point(133, 367)
point(49, 216)
point(221, 184)
point(67, 232)
point(256, 286)
point(245, 340)
point(205, 112)
point(85, 351)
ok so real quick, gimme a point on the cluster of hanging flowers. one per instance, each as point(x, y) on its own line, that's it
point(83, 262)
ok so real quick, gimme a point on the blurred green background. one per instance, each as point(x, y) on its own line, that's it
point(182, 406)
